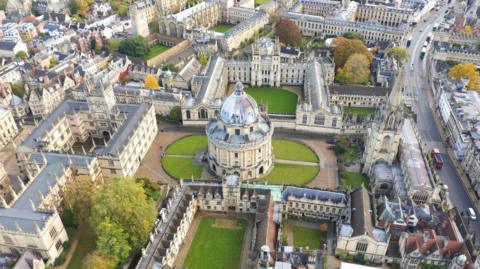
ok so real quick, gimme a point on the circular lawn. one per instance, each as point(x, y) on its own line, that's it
point(295, 162)
point(179, 160)
point(278, 101)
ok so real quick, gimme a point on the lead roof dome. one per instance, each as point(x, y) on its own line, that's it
point(239, 108)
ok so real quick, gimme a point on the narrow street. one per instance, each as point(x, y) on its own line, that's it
point(417, 82)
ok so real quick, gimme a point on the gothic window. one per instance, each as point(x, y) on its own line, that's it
point(391, 122)
point(361, 247)
point(261, 170)
point(214, 168)
point(203, 114)
point(304, 119)
point(319, 119)
point(385, 144)
point(188, 114)
point(334, 122)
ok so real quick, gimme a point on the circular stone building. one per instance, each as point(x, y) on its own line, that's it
point(240, 138)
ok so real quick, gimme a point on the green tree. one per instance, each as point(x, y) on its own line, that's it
point(288, 32)
point(170, 67)
point(18, 89)
point(356, 70)
point(123, 202)
point(79, 8)
point(399, 54)
point(354, 35)
point(135, 46)
point(77, 197)
point(343, 48)
point(112, 45)
point(22, 55)
point(153, 27)
point(96, 261)
point(112, 242)
point(175, 114)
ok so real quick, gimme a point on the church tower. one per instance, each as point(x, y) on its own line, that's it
point(101, 102)
point(383, 137)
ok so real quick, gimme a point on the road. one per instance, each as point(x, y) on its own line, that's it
point(416, 82)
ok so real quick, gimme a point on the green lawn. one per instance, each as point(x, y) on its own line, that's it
point(278, 100)
point(222, 28)
point(182, 167)
point(155, 50)
point(359, 110)
point(285, 149)
point(188, 145)
point(291, 174)
point(261, 2)
point(215, 248)
point(308, 237)
point(353, 179)
point(86, 244)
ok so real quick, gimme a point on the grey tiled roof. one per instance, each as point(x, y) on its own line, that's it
point(323, 195)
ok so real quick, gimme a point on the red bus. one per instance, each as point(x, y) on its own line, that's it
point(437, 158)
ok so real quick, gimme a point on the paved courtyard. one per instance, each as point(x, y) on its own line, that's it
point(151, 166)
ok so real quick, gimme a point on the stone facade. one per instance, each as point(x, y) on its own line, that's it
point(8, 127)
point(240, 138)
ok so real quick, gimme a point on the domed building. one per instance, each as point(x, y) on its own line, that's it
point(240, 138)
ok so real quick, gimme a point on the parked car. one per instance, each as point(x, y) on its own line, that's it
point(331, 147)
point(330, 141)
point(471, 214)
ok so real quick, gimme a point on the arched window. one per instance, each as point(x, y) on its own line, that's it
point(189, 115)
point(260, 171)
point(203, 114)
point(385, 144)
point(304, 119)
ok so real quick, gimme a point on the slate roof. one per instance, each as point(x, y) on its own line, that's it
point(323, 195)
point(7, 45)
point(358, 90)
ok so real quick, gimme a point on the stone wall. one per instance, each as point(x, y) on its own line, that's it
point(163, 57)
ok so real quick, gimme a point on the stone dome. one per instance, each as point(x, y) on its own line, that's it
point(239, 108)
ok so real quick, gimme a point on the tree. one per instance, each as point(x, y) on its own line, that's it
point(53, 61)
point(355, 71)
point(153, 27)
point(77, 197)
point(175, 114)
point(22, 55)
point(123, 202)
point(18, 89)
point(343, 48)
point(79, 7)
point(151, 83)
point(112, 242)
point(203, 59)
point(468, 71)
point(288, 32)
point(399, 54)
point(353, 35)
point(112, 45)
point(96, 261)
point(135, 46)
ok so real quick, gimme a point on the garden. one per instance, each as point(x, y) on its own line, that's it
point(223, 28)
point(296, 163)
point(278, 101)
point(220, 236)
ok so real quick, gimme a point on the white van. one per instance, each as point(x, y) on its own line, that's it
point(471, 213)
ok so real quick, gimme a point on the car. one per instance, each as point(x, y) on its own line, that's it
point(471, 214)
point(331, 147)
point(330, 141)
